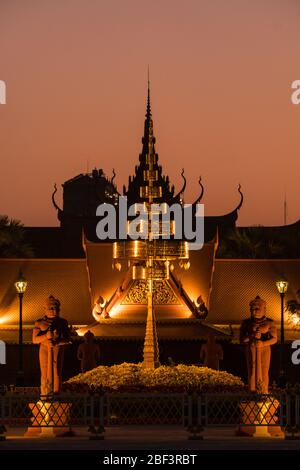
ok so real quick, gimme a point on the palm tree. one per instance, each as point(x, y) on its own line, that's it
point(12, 239)
point(293, 309)
point(250, 242)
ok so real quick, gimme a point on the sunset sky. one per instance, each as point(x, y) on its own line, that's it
point(221, 74)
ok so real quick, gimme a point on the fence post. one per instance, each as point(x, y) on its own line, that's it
point(292, 427)
point(92, 428)
point(101, 428)
point(185, 410)
point(97, 429)
point(2, 419)
point(194, 417)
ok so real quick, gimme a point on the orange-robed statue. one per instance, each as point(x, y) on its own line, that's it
point(258, 333)
point(211, 352)
point(51, 332)
point(88, 352)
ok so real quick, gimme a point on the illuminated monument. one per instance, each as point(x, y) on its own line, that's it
point(152, 286)
point(161, 284)
point(153, 292)
point(151, 257)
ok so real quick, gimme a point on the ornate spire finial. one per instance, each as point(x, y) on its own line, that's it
point(242, 198)
point(202, 191)
point(53, 199)
point(148, 113)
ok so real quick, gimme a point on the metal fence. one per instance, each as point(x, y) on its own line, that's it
point(62, 413)
point(240, 410)
point(145, 408)
point(194, 412)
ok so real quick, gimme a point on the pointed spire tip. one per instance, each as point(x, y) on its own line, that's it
point(148, 113)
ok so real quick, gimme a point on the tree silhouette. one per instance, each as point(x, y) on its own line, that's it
point(251, 242)
point(12, 239)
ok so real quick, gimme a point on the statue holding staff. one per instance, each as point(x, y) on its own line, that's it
point(258, 333)
point(52, 333)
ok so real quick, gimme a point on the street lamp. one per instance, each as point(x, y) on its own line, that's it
point(20, 286)
point(282, 286)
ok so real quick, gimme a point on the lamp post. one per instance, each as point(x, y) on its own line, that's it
point(20, 286)
point(282, 286)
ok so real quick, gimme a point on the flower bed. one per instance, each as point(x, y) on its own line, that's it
point(133, 377)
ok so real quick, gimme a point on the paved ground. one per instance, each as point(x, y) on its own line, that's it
point(147, 438)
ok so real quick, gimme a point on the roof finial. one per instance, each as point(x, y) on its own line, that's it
point(242, 198)
point(284, 208)
point(148, 114)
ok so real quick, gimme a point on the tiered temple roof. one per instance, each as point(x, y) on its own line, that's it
point(76, 266)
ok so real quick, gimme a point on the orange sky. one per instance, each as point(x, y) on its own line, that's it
point(221, 71)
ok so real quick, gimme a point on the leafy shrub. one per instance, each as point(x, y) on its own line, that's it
point(133, 377)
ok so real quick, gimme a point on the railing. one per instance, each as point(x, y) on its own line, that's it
point(239, 410)
point(194, 412)
point(146, 408)
point(62, 413)
point(293, 414)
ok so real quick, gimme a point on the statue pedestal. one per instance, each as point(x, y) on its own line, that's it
point(49, 419)
point(259, 419)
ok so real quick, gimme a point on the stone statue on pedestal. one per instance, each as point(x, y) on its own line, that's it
point(211, 352)
point(88, 352)
point(258, 333)
point(52, 333)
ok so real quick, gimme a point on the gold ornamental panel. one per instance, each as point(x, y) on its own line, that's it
point(163, 294)
point(150, 175)
point(153, 191)
point(159, 249)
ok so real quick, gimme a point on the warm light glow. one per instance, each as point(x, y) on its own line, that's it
point(282, 286)
point(101, 301)
point(8, 318)
point(295, 320)
point(115, 250)
point(118, 266)
point(186, 265)
point(21, 285)
point(113, 312)
point(135, 248)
